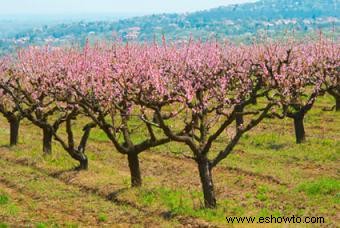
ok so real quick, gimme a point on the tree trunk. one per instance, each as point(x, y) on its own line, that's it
point(207, 183)
point(47, 140)
point(299, 129)
point(83, 161)
point(14, 131)
point(80, 157)
point(239, 117)
point(136, 179)
point(337, 103)
point(254, 101)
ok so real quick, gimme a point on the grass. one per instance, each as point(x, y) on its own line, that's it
point(102, 218)
point(3, 199)
point(179, 202)
point(267, 174)
point(324, 186)
point(41, 225)
point(7, 206)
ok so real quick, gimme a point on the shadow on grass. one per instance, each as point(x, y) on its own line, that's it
point(113, 196)
point(6, 146)
point(276, 146)
point(75, 170)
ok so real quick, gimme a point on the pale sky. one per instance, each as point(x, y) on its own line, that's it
point(108, 6)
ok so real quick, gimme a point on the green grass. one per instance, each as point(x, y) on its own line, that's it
point(41, 225)
point(102, 218)
point(261, 193)
point(8, 207)
point(179, 202)
point(171, 188)
point(3, 199)
point(98, 135)
point(56, 204)
point(3, 225)
point(324, 186)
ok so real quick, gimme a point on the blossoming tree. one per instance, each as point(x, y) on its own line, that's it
point(8, 107)
point(201, 90)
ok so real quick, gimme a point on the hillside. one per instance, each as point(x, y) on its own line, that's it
point(237, 22)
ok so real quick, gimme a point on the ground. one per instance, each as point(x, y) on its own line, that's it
point(267, 174)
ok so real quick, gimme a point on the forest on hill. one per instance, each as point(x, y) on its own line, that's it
point(240, 23)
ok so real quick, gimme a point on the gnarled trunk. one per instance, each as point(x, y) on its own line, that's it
point(84, 163)
point(47, 140)
point(207, 183)
point(81, 158)
point(136, 179)
point(299, 128)
point(335, 92)
point(14, 131)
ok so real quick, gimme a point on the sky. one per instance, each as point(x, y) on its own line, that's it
point(109, 6)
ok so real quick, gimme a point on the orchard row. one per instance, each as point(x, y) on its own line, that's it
point(190, 92)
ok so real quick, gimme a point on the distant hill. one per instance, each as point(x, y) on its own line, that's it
point(237, 22)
